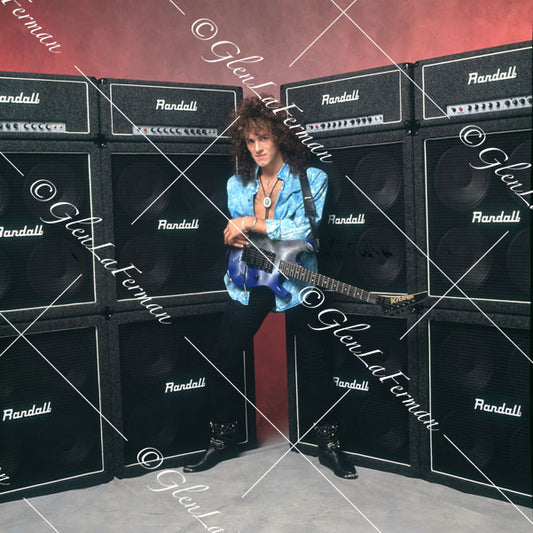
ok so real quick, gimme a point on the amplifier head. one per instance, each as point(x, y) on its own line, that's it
point(369, 100)
point(131, 110)
point(42, 106)
point(478, 85)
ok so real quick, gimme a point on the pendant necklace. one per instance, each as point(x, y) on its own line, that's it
point(267, 200)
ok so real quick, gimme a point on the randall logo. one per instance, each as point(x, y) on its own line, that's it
point(479, 217)
point(24, 232)
point(500, 409)
point(10, 414)
point(165, 224)
point(328, 100)
point(172, 387)
point(351, 384)
point(161, 104)
point(20, 99)
point(359, 219)
point(474, 77)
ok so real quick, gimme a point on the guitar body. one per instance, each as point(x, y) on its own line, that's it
point(270, 263)
point(267, 275)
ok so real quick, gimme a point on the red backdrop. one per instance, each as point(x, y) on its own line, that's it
point(153, 41)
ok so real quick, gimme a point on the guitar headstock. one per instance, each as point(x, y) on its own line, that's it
point(397, 304)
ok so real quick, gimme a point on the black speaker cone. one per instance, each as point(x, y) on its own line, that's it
point(379, 176)
point(465, 361)
point(153, 256)
point(67, 181)
point(380, 255)
point(139, 184)
point(518, 261)
point(459, 186)
point(53, 264)
point(458, 249)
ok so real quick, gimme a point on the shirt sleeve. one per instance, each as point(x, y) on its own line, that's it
point(235, 191)
point(296, 226)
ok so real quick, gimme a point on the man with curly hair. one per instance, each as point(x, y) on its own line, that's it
point(265, 198)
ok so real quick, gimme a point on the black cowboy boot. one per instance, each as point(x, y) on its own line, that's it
point(222, 445)
point(330, 454)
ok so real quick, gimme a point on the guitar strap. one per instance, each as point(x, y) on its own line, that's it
point(309, 208)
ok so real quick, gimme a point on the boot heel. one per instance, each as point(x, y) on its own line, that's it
point(222, 445)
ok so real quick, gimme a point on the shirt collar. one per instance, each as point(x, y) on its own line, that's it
point(283, 173)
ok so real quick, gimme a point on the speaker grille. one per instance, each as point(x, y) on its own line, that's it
point(358, 245)
point(475, 371)
point(460, 200)
point(373, 422)
point(65, 442)
point(34, 269)
point(177, 243)
point(165, 384)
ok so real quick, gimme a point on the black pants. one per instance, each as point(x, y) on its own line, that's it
point(238, 326)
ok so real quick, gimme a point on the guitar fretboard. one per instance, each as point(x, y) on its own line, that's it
point(304, 274)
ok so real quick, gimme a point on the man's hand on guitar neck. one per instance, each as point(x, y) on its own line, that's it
point(238, 228)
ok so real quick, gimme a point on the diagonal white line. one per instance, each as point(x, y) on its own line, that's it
point(177, 7)
point(63, 376)
point(389, 58)
point(454, 285)
point(11, 163)
point(438, 268)
point(486, 477)
point(39, 315)
point(280, 432)
point(182, 173)
point(27, 501)
point(309, 46)
point(296, 443)
point(178, 169)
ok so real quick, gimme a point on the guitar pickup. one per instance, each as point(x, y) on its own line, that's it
point(258, 259)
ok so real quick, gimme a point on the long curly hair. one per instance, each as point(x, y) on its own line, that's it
point(254, 116)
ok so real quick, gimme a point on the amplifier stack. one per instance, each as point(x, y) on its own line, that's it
point(425, 178)
point(364, 120)
point(112, 203)
point(74, 175)
point(473, 199)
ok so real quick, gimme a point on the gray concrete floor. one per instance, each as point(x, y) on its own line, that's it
point(293, 498)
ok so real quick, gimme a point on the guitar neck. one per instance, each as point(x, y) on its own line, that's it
point(301, 273)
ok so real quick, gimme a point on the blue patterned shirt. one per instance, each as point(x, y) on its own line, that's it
point(289, 222)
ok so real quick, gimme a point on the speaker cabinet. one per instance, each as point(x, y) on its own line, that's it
point(478, 384)
point(472, 198)
point(52, 392)
point(376, 429)
point(164, 383)
point(50, 201)
point(170, 232)
point(369, 185)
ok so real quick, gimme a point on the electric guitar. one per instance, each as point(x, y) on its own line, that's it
point(269, 263)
